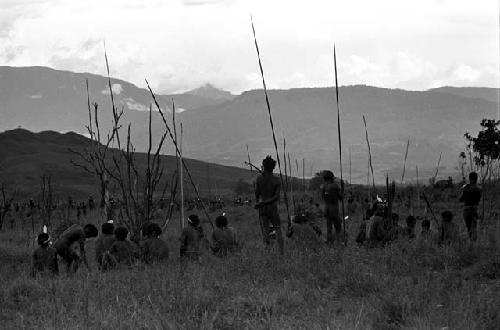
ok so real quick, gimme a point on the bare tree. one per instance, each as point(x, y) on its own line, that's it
point(140, 188)
point(5, 204)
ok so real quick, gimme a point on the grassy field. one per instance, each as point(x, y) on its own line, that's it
point(403, 286)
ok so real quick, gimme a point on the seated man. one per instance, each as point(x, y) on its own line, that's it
point(426, 228)
point(74, 234)
point(375, 232)
point(302, 233)
point(123, 251)
point(223, 238)
point(191, 239)
point(154, 249)
point(104, 242)
point(448, 232)
point(409, 231)
point(44, 257)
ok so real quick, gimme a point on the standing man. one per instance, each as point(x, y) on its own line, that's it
point(471, 195)
point(331, 193)
point(267, 196)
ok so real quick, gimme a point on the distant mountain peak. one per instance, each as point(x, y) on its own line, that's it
point(210, 91)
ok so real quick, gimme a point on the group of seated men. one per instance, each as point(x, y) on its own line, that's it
point(378, 229)
point(114, 249)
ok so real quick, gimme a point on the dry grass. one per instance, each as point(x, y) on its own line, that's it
point(404, 286)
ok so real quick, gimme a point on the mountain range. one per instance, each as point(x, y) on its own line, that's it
point(26, 156)
point(218, 126)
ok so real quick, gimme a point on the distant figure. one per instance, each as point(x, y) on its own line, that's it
point(409, 231)
point(331, 193)
point(74, 234)
point(91, 203)
point(267, 196)
point(191, 239)
point(471, 195)
point(351, 205)
point(103, 244)
point(393, 230)
point(44, 257)
point(154, 249)
point(123, 251)
point(224, 238)
point(448, 232)
point(426, 233)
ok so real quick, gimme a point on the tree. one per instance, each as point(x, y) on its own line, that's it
point(484, 149)
point(5, 204)
point(141, 189)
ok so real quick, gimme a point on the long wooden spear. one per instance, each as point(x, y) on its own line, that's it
point(437, 168)
point(340, 141)
point(272, 124)
point(369, 152)
point(404, 163)
point(183, 163)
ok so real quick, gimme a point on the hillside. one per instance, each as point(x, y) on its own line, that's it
point(217, 129)
point(26, 156)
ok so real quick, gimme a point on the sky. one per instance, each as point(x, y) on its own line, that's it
point(179, 45)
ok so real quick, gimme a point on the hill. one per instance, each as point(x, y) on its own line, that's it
point(25, 156)
point(218, 130)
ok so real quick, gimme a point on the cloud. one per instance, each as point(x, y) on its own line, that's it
point(181, 44)
point(466, 73)
point(134, 105)
point(116, 88)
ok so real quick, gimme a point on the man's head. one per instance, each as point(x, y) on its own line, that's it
point(194, 220)
point(447, 216)
point(328, 176)
point(43, 239)
point(121, 233)
point(90, 230)
point(221, 221)
point(411, 221)
point(107, 228)
point(473, 177)
point(153, 230)
point(268, 164)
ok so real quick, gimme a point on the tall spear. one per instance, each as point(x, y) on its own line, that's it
point(340, 140)
point(404, 163)
point(418, 189)
point(272, 124)
point(437, 168)
point(369, 152)
point(304, 175)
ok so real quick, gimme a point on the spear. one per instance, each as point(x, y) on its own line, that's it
point(183, 163)
point(418, 189)
point(404, 163)
point(249, 161)
point(369, 153)
point(437, 168)
point(350, 167)
point(340, 140)
point(304, 175)
point(271, 122)
point(291, 182)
